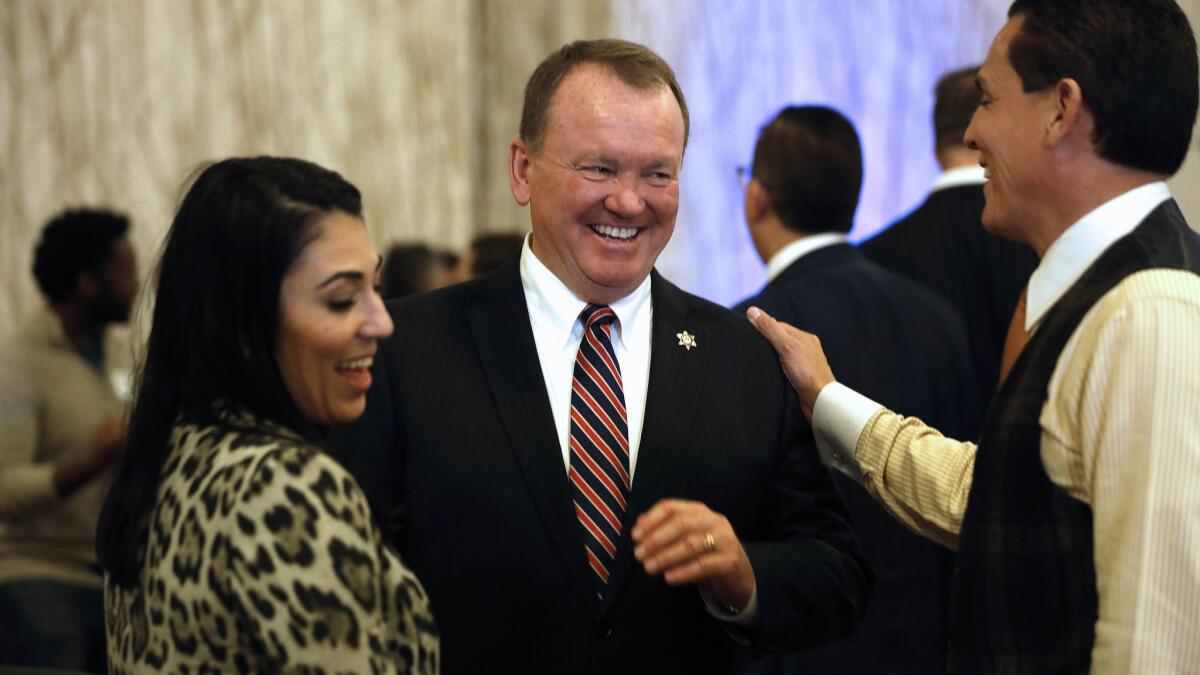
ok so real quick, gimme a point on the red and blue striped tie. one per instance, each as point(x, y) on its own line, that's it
point(599, 466)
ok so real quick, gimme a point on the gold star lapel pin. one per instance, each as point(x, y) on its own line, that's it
point(687, 340)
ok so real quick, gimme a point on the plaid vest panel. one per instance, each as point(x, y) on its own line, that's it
point(1024, 592)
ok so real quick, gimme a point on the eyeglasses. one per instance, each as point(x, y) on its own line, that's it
point(743, 176)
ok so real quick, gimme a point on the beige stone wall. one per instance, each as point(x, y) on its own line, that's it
point(115, 102)
point(1185, 185)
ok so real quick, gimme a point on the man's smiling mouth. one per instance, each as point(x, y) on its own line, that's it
point(615, 233)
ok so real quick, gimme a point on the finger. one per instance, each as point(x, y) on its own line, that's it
point(767, 326)
point(650, 520)
point(682, 550)
point(667, 534)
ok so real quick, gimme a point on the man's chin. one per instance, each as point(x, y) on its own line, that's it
point(1012, 234)
point(605, 289)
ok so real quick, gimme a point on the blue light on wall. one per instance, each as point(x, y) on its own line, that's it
point(740, 62)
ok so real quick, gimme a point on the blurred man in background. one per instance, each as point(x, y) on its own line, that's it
point(884, 335)
point(61, 428)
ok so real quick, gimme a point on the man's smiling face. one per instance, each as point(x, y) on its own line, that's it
point(603, 188)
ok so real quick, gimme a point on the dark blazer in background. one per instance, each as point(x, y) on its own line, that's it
point(459, 448)
point(942, 246)
point(902, 346)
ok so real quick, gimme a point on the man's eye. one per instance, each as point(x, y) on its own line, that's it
point(596, 171)
point(659, 178)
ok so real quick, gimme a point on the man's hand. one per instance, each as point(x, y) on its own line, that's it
point(800, 354)
point(688, 543)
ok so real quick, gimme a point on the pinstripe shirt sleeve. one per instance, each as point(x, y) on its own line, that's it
point(1121, 432)
point(919, 476)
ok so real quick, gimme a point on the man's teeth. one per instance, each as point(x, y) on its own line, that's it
point(356, 364)
point(615, 232)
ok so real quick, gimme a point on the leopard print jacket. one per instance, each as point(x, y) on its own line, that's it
point(262, 557)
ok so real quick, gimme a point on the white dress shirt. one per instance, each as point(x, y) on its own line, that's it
point(789, 254)
point(1120, 432)
point(963, 175)
point(557, 331)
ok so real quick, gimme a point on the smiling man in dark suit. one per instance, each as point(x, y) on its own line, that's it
point(599, 473)
point(885, 335)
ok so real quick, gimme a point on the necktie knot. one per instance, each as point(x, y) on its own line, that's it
point(597, 315)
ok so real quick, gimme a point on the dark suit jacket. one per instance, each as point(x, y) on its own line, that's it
point(458, 432)
point(942, 246)
point(902, 346)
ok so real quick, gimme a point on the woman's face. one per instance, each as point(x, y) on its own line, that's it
point(330, 321)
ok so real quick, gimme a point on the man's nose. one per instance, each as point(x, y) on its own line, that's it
point(625, 201)
point(969, 135)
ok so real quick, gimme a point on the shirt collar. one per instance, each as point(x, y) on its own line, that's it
point(800, 248)
point(963, 175)
point(1084, 242)
point(554, 309)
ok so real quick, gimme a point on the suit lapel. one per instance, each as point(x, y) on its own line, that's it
point(504, 340)
point(676, 375)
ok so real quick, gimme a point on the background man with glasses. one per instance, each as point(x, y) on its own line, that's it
point(885, 335)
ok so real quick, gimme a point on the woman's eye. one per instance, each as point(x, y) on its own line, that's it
point(340, 305)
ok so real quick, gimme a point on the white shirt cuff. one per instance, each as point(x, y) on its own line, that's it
point(839, 416)
point(741, 618)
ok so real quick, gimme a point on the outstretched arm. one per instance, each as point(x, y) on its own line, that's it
point(921, 477)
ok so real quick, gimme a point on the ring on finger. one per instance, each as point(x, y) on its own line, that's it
point(710, 543)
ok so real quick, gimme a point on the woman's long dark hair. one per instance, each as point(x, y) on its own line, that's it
point(216, 313)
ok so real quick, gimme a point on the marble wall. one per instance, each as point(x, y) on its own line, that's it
point(416, 101)
point(116, 102)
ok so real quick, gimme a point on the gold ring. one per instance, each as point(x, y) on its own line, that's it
point(710, 543)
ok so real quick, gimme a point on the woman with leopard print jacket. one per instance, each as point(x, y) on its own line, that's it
point(231, 542)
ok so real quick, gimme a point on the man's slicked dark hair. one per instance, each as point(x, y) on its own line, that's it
point(1135, 62)
point(955, 98)
point(810, 162)
point(635, 64)
point(74, 241)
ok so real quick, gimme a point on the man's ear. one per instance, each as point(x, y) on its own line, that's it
point(87, 285)
point(1070, 118)
point(518, 171)
point(758, 202)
